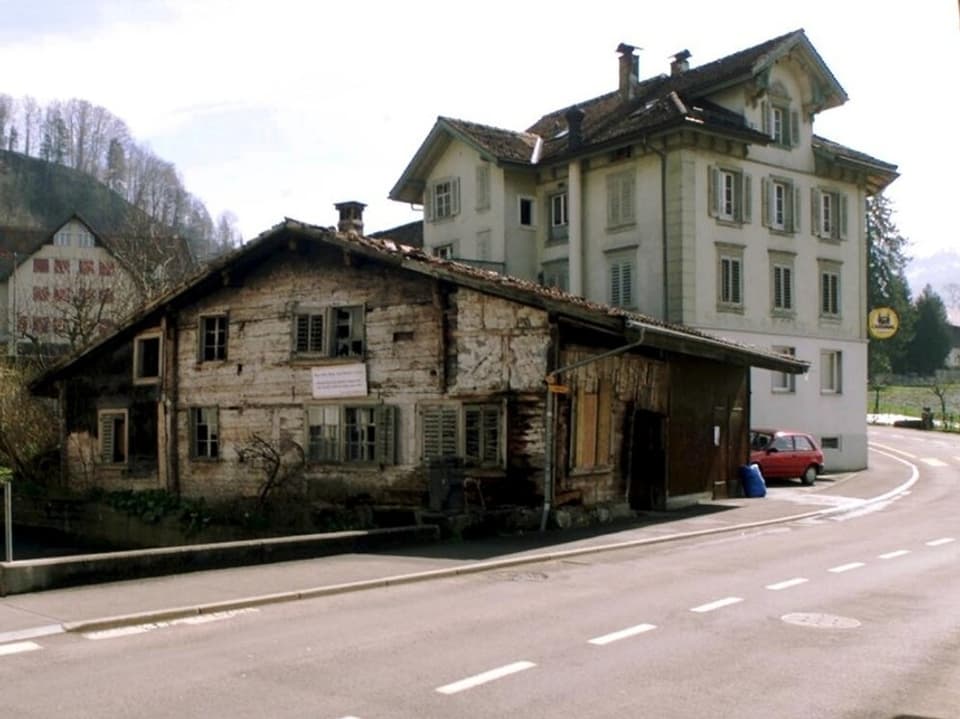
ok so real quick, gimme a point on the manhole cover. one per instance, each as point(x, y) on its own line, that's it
point(520, 576)
point(820, 621)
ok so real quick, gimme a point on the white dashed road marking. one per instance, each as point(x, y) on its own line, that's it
point(787, 584)
point(478, 679)
point(719, 604)
point(940, 542)
point(622, 634)
point(18, 647)
point(933, 462)
point(846, 567)
point(894, 555)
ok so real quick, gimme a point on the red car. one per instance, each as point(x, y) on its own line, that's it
point(785, 455)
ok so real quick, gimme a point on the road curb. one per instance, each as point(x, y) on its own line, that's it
point(100, 624)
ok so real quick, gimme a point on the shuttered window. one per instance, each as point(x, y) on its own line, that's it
point(442, 199)
point(828, 214)
point(592, 423)
point(781, 203)
point(621, 203)
point(621, 282)
point(351, 434)
point(731, 281)
point(830, 293)
point(333, 332)
point(483, 186)
point(783, 287)
point(473, 432)
point(729, 194)
point(482, 434)
point(113, 436)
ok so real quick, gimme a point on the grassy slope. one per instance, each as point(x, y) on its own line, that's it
point(912, 400)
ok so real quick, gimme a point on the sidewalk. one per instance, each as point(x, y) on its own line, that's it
point(116, 604)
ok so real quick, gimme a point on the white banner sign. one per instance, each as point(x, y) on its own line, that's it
point(342, 380)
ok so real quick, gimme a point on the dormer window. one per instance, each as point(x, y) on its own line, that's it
point(780, 122)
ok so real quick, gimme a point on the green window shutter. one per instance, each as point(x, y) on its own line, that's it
point(765, 117)
point(483, 186)
point(626, 284)
point(794, 128)
point(842, 224)
point(713, 191)
point(735, 281)
point(777, 287)
point(795, 210)
point(491, 435)
point(766, 189)
point(627, 204)
point(386, 434)
point(613, 201)
point(746, 198)
point(439, 432)
point(787, 282)
point(455, 196)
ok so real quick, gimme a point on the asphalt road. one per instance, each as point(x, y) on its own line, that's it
point(852, 615)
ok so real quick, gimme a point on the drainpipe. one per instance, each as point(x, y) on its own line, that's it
point(663, 222)
point(550, 435)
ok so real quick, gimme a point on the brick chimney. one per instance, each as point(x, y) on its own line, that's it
point(681, 62)
point(574, 118)
point(629, 70)
point(351, 216)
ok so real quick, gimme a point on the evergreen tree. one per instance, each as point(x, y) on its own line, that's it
point(931, 338)
point(887, 286)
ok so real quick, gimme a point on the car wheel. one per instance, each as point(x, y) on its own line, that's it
point(809, 475)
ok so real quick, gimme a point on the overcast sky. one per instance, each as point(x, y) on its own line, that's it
point(279, 109)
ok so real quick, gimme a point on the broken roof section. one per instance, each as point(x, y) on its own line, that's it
point(632, 326)
point(640, 109)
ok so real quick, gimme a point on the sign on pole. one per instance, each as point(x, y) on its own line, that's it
point(883, 323)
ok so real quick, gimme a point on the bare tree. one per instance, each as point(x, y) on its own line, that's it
point(280, 461)
point(27, 425)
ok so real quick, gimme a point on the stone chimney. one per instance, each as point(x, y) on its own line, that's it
point(574, 127)
point(681, 62)
point(629, 71)
point(351, 216)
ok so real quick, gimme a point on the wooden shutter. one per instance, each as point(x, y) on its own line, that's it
point(815, 211)
point(794, 128)
point(107, 438)
point(604, 422)
point(765, 117)
point(483, 186)
point(795, 210)
point(455, 196)
point(841, 220)
point(735, 281)
point(787, 288)
point(626, 284)
point(586, 440)
point(713, 191)
point(439, 428)
point(613, 201)
point(766, 202)
point(386, 419)
point(746, 198)
point(627, 204)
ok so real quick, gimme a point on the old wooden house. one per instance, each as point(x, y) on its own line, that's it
point(379, 371)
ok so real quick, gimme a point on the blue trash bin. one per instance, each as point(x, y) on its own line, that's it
point(752, 480)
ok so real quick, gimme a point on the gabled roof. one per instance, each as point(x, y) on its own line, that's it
point(655, 333)
point(654, 105)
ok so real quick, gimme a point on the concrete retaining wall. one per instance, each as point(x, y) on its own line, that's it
point(34, 575)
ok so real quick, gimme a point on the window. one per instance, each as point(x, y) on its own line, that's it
point(483, 186)
point(830, 372)
point(782, 271)
point(62, 294)
point(621, 210)
point(591, 423)
point(106, 269)
point(41, 294)
point(352, 434)
point(61, 239)
point(213, 338)
point(621, 282)
point(829, 292)
point(556, 274)
point(442, 199)
point(780, 122)
point(781, 202)
point(332, 332)
point(784, 382)
point(61, 267)
point(112, 426)
point(84, 239)
point(730, 277)
point(41, 265)
point(444, 252)
point(85, 267)
point(146, 358)
point(558, 218)
point(828, 214)
point(483, 245)
point(471, 431)
point(40, 324)
point(526, 210)
point(728, 195)
point(829, 443)
point(204, 433)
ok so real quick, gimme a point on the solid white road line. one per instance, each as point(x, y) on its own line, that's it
point(941, 541)
point(120, 631)
point(17, 648)
point(719, 604)
point(846, 567)
point(893, 449)
point(149, 627)
point(622, 634)
point(933, 462)
point(894, 555)
point(787, 584)
point(478, 679)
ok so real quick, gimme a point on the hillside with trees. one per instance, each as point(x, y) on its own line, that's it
point(48, 151)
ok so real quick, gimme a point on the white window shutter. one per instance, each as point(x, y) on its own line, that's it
point(713, 191)
point(765, 117)
point(613, 202)
point(787, 288)
point(626, 284)
point(627, 209)
point(428, 203)
point(107, 439)
point(455, 196)
point(843, 216)
point(794, 128)
point(766, 201)
point(815, 211)
point(386, 434)
point(735, 281)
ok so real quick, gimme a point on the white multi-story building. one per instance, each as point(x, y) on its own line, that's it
point(702, 198)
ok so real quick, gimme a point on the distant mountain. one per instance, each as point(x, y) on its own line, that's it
point(942, 272)
point(40, 195)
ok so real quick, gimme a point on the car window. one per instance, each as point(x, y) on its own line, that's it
point(803, 443)
point(759, 440)
point(782, 444)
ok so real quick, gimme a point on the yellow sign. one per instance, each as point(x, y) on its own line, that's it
point(883, 323)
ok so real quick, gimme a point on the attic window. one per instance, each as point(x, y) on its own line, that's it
point(146, 358)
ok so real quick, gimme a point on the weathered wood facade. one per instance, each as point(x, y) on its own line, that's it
point(392, 376)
